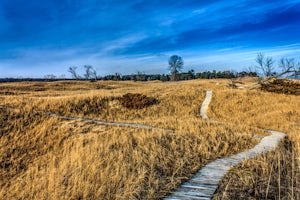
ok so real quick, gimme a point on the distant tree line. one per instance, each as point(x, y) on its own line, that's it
point(175, 67)
point(189, 75)
point(289, 67)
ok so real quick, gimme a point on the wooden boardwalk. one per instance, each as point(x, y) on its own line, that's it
point(205, 182)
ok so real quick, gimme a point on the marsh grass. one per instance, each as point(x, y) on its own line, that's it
point(271, 176)
point(49, 158)
point(277, 174)
point(76, 160)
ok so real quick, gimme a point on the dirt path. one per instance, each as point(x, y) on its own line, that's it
point(205, 182)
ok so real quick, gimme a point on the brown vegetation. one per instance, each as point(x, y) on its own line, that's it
point(271, 176)
point(42, 157)
point(284, 86)
point(136, 101)
point(259, 178)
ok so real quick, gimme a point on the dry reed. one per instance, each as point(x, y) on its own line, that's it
point(48, 158)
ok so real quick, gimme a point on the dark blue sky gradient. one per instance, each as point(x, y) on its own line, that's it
point(46, 37)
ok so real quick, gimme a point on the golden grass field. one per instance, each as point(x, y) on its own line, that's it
point(43, 157)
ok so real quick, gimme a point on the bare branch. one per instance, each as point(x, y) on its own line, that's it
point(73, 72)
point(287, 64)
point(265, 64)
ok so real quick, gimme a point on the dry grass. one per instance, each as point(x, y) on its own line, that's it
point(42, 157)
point(277, 174)
point(271, 176)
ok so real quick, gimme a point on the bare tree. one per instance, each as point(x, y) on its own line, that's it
point(94, 74)
point(260, 60)
point(269, 69)
point(289, 67)
point(73, 72)
point(287, 64)
point(175, 65)
point(265, 64)
point(90, 72)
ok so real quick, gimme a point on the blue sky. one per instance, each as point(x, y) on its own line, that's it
point(40, 37)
